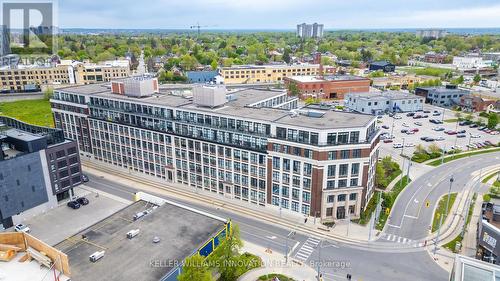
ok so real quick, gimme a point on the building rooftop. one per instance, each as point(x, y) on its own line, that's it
point(380, 63)
point(328, 119)
point(327, 78)
point(281, 65)
point(470, 269)
point(383, 95)
point(239, 105)
point(22, 135)
point(181, 232)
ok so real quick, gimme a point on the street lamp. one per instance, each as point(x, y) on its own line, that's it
point(442, 215)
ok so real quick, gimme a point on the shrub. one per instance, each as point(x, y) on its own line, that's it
point(486, 198)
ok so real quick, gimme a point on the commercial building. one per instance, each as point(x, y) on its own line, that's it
point(377, 103)
point(470, 269)
point(443, 96)
point(471, 62)
point(314, 30)
point(475, 103)
point(246, 145)
point(433, 57)
point(147, 240)
point(431, 33)
point(271, 73)
point(34, 77)
point(328, 86)
point(488, 233)
point(385, 66)
point(38, 167)
point(401, 82)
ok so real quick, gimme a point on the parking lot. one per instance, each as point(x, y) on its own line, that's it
point(425, 129)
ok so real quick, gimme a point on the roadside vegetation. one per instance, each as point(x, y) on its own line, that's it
point(452, 245)
point(367, 213)
point(441, 210)
point(226, 262)
point(272, 276)
point(388, 199)
point(386, 171)
point(462, 155)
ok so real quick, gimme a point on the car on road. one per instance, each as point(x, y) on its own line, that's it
point(82, 201)
point(397, 145)
point(388, 141)
point(438, 129)
point(85, 178)
point(22, 228)
point(385, 127)
point(74, 205)
point(418, 123)
point(405, 125)
point(439, 138)
point(461, 135)
point(475, 136)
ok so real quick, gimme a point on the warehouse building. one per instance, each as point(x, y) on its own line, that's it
point(380, 102)
point(444, 96)
point(252, 145)
point(147, 240)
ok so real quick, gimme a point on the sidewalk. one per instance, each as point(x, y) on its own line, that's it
point(469, 242)
point(274, 262)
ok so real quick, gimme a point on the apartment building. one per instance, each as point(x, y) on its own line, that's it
point(33, 77)
point(38, 167)
point(253, 146)
point(314, 30)
point(272, 73)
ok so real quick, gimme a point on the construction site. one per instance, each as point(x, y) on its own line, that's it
point(25, 258)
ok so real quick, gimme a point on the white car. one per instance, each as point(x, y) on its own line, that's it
point(405, 125)
point(454, 147)
point(409, 144)
point(475, 136)
point(22, 228)
point(397, 117)
point(397, 145)
point(439, 138)
point(418, 123)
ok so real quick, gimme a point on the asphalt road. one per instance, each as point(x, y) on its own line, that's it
point(336, 259)
point(410, 218)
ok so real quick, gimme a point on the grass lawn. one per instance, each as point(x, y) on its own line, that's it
point(270, 277)
point(35, 112)
point(458, 156)
point(431, 71)
point(441, 210)
point(394, 194)
point(452, 244)
point(450, 120)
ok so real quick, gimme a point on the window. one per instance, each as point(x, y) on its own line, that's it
point(306, 183)
point(354, 137)
point(276, 189)
point(353, 196)
point(356, 153)
point(344, 154)
point(329, 212)
point(306, 210)
point(332, 155)
point(330, 184)
point(341, 198)
point(343, 138)
point(308, 153)
point(331, 171)
point(296, 167)
point(342, 183)
point(331, 138)
point(276, 163)
point(295, 194)
point(343, 170)
point(295, 206)
point(330, 199)
point(285, 191)
point(354, 182)
point(355, 169)
point(307, 169)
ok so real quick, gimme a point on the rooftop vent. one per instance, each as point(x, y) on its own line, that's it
point(96, 256)
point(209, 96)
point(133, 233)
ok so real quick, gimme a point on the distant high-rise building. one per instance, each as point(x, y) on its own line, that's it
point(4, 41)
point(431, 33)
point(314, 30)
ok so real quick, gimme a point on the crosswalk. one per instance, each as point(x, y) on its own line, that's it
point(401, 240)
point(307, 248)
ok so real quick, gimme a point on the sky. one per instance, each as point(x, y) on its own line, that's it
point(278, 14)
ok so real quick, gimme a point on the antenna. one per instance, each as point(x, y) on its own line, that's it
point(198, 27)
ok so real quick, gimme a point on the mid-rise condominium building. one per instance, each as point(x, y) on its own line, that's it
point(253, 146)
point(38, 167)
point(314, 30)
point(271, 73)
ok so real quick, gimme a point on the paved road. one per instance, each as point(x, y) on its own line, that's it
point(410, 218)
point(336, 259)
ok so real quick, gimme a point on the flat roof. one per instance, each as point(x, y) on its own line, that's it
point(253, 66)
point(384, 95)
point(470, 269)
point(21, 135)
point(15, 270)
point(181, 231)
point(327, 78)
point(329, 119)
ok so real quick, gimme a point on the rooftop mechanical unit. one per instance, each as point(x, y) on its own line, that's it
point(209, 96)
point(96, 256)
point(133, 233)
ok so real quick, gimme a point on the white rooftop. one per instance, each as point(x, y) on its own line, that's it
point(26, 271)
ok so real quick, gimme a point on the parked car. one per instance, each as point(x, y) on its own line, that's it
point(397, 145)
point(418, 123)
point(455, 147)
point(479, 145)
point(85, 178)
point(73, 205)
point(385, 127)
point(438, 129)
point(461, 135)
point(429, 139)
point(410, 133)
point(494, 133)
point(410, 114)
point(488, 142)
point(417, 117)
point(482, 128)
point(423, 138)
point(436, 113)
point(472, 146)
point(424, 116)
point(461, 132)
point(409, 144)
point(82, 201)
point(414, 130)
point(439, 138)
point(404, 131)
point(404, 125)
point(450, 132)
point(474, 126)
point(388, 141)
point(22, 228)
point(397, 117)
point(427, 111)
point(475, 136)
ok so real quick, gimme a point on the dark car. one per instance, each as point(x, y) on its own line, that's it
point(461, 132)
point(82, 201)
point(429, 139)
point(425, 116)
point(73, 205)
point(404, 131)
point(410, 114)
point(85, 178)
point(423, 138)
point(473, 126)
point(461, 135)
point(427, 111)
point(385, 127)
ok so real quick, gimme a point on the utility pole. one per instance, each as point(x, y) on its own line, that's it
point(392, 129)
point(442, 155)
point(318, 265)
point(403, 165)
point(442, 215)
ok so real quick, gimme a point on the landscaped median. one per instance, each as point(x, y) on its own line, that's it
point(461, 155)
point(452, 245)
point(441, 210)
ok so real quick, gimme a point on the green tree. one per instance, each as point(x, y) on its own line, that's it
point(477, 78)
point(286, 56)
point(492, 121)
point(213, 64)
point(195, 268)
point(420, 149)
point(293, 89)
point(434, 149)
point(227, 258)
point(469, 117)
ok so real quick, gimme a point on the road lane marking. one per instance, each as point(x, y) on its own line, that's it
point(395, 226)
point(411, 217)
